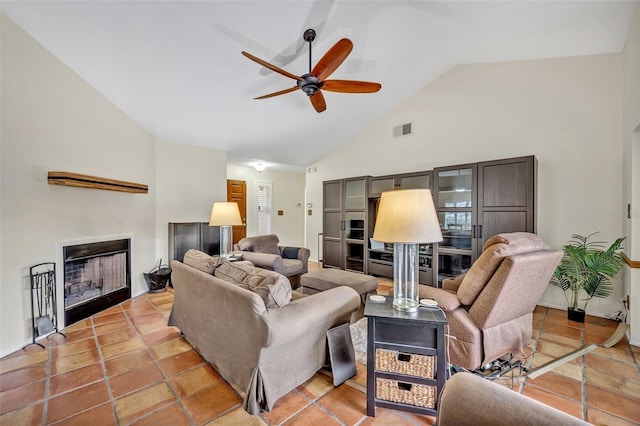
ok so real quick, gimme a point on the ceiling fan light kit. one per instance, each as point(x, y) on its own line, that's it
point(313, 82)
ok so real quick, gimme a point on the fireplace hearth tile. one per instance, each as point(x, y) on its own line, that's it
point(122, 347)
point(117, 336)
point(111, 327)
point(75, 361)
point(72, 348)
point(126, 362)
point(106, 319)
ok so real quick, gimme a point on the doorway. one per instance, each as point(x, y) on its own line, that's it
point(237, 191)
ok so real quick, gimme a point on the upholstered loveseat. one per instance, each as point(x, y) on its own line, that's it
point(244, 321)
point(265, 252)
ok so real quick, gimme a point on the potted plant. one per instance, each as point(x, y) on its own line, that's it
point(586, 267)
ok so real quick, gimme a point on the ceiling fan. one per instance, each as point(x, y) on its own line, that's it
point(316, 80)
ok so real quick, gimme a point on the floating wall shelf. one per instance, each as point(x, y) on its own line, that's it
point(85, 181)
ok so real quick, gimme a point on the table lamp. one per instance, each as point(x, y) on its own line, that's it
point(225, 215)
point(406, 218)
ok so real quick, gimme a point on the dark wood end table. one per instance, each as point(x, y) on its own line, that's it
point(405, 358)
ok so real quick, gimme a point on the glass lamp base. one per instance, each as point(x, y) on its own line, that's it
point(405, 305)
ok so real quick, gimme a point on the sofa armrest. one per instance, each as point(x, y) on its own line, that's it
point(467, 398)
point(313, 314)
point(264, 260)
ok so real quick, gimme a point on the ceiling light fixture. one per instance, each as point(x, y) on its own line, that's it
point(260, 167)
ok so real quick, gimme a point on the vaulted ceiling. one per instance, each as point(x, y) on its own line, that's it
point(175, 67)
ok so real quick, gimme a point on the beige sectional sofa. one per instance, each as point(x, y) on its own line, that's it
point(250, 328)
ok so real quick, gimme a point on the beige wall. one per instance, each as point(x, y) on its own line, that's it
point(189, 180)
point(54, 120)
point(566, 112)
point(288, 196)
point(631, 170)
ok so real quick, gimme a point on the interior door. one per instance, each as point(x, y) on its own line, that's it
point(237, 191)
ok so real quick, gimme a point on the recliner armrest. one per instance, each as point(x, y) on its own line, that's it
point(453, 284)
point(303, 252)
point(264, 260)
point(446, 299)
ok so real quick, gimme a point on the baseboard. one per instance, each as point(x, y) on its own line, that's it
point(564, 308)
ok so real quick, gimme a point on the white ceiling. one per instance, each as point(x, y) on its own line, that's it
point(175, 66)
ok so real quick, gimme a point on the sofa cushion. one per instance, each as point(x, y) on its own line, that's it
point(261, 244)
point(273, 288)
point(202, 261)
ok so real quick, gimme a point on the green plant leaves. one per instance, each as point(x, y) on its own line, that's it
point(586, 266)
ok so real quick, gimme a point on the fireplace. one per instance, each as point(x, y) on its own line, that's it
point(96, 277)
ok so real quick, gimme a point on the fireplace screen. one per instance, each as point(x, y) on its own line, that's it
point(96, 276)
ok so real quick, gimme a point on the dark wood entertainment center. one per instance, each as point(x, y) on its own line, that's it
point(474, 201)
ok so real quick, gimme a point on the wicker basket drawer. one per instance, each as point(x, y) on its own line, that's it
point(406, 393)
point(407, 364)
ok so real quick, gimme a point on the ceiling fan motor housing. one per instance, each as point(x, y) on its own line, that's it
point(310, 84)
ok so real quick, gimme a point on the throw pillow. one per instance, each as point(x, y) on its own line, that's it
point(201, 261)
point(273, 288)
point(290, 253)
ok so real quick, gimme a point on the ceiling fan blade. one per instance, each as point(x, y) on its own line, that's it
point(351, 86)
point(317, 100)
point(281, 92)
point(271, 67)
point(332, 59)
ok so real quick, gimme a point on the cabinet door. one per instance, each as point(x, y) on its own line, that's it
point(415, 181)
point(380, 184)
point(332, 224)
point(505, 197)
point(355, 194)
point(182, 237)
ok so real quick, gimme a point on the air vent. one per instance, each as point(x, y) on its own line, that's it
point(402, 130)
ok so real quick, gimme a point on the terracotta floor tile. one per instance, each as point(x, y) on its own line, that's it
point(237, 417)
point(386, 417)
point(613, 403)
point(311, 416)
point(135, 379)
point(623, 355)
point(560, 339)
point(140, 309)
point(561, 403)
point(101, 415)
point(75, 361)
point(160, 336)
point(419, 419)
point(610, 366)
point(106, 319)
point(150, 318)
point(110, 311)
point(31, 415)
point(23, 376)
point(79, 325)
point(72, 336)
point(127, 362)
point(572, 332)
point(553, 349)
point(75, 379)
point(122, 347)
point(20, 361)
point(556, 383)
point(598, 417)
point(346, 403)
point(170, 348)
point(76, 401)
point(175, 364)
point(211, 402)
point(194, 380)
point(285, 407)
point(117, 336)
point(568, 369)
point(172, 415)
point(316, 386)
point(144, 401)
point(75, 347)
point(624, 386)
point(15, 398)
point(112, 326)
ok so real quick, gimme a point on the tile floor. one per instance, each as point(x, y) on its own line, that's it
point(125, 366)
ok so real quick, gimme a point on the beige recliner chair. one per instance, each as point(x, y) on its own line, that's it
point(264, 252)
point(490, 308)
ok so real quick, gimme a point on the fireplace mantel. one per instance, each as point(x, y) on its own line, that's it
point(86, 181)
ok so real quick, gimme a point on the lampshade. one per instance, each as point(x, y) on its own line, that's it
point(224, 214)
point(407, 216)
